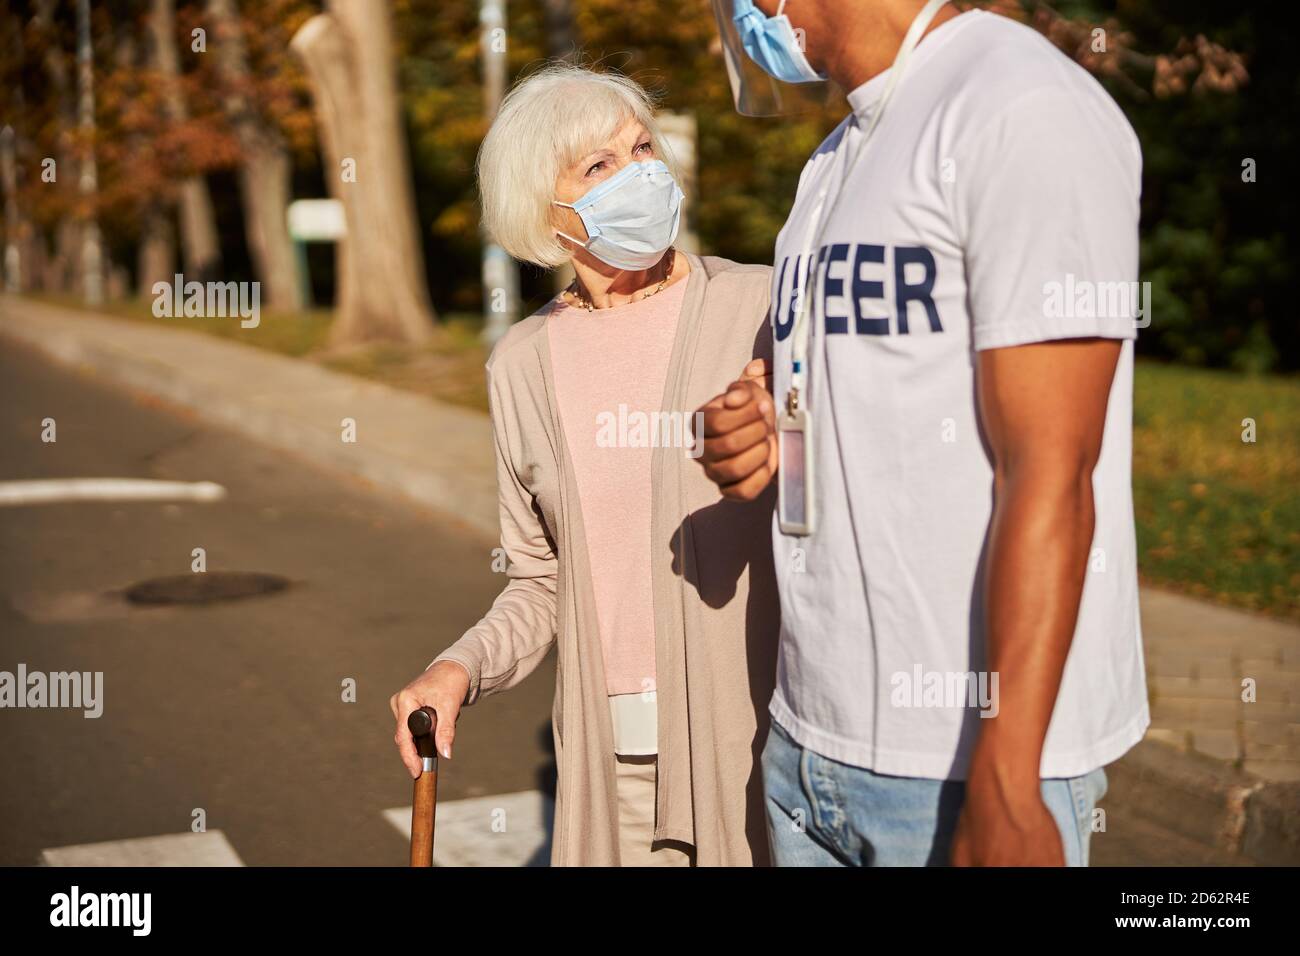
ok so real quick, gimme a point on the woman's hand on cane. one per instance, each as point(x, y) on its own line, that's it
point(442, 687)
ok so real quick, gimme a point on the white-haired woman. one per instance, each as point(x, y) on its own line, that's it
point(656, 593)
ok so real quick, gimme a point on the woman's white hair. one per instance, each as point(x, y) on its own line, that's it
point(546, 123)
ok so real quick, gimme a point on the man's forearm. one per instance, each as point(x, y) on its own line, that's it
point(1038, 553)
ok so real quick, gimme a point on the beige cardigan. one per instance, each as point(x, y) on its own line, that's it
point(716, 610)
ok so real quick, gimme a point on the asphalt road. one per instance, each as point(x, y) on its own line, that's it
point(235, 708)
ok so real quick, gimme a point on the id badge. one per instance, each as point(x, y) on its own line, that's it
point(795, 512)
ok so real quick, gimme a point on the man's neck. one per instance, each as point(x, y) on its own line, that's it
point(864, 37)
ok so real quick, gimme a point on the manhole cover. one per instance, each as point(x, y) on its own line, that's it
point(205, 588)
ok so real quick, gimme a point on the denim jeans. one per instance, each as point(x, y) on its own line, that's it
point(824, 813)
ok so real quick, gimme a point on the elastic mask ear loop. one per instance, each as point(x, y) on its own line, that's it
point(564, 235)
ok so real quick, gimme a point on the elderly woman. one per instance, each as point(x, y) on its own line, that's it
point(656, 594)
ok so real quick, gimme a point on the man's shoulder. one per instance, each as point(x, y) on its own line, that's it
point(1007, 73)
point(999, 61)
point(995, 46)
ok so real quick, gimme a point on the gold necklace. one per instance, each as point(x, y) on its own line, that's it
point(574, 288)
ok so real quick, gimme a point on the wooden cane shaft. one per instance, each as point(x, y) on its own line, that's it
point(423, 804)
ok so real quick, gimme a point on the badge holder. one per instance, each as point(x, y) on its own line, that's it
point(796, 514)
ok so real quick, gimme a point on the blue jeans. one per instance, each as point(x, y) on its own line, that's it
point(824, 813)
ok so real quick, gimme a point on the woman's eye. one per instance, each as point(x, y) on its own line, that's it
point(645, 146)
point(595, 167)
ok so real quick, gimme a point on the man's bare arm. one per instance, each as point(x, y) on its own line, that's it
point(1043, 407)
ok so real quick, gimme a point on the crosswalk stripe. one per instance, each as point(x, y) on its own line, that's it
point(505, 829)
point(170, 849)
point(51, 490)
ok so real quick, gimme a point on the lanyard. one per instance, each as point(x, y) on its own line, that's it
point(817, 225)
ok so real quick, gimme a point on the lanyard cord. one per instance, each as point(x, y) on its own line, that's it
point(817, 225)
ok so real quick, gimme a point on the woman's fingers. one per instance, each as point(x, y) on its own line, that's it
point(443, 687)
point(445, 732)
point(406, 704)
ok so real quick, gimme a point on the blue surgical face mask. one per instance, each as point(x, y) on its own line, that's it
point(631, 218)
point(772, 44)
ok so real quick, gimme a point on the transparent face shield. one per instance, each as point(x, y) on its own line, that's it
point(753, 91)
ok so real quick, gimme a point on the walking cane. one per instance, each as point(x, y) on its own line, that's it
point(422, 724)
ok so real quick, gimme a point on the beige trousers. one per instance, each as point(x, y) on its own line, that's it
point(636, 817)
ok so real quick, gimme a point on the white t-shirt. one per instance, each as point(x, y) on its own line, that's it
point(996, 205)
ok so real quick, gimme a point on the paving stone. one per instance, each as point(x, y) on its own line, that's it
point(1282, 771)
point(1184, 665)
point(1212, 688)
point(1168, 735)
point(1194, 712)
point(1269, 753)
point(1264, 732)
point(1277, 710)
point(1262, 669)
point(1220, 744)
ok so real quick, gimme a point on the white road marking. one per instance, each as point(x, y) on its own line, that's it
point(171, 849)
point(506, 829)
point(52, 490)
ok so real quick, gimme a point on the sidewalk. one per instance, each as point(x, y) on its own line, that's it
point(1214, 769)
point(1198, 655)
point(438, 455)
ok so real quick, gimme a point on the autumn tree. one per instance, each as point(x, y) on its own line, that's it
point(201, 252)
point(265, 165)
point(348, 53)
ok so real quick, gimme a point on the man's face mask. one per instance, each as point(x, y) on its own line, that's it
point(771, 43)
point(631, 218)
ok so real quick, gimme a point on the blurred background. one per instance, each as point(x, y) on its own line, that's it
point(242, 141)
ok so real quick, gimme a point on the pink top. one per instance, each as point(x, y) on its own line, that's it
point(610, 369)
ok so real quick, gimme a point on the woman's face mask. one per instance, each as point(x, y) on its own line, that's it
point(631, 218)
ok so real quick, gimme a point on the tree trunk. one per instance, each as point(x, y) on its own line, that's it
point(561, 34)
point(18, 228)
point(264, 174)
point(156, 257)
point(62, 274)
point(60, 269)
point(264, 182)
point(92, 248)
point(561, 44)
point(156, 244)
point(349, 60)
point(499, 272)
point(200, 249)
point(14, 226)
